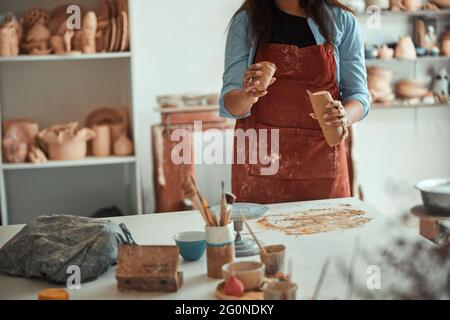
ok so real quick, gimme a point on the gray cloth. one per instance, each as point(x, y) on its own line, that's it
point(47, 246)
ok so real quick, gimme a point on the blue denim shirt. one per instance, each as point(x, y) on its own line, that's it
point(348, 51)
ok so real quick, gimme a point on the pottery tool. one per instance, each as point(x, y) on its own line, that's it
point(261, 247)
point(323, 272)
point(319, 100)
point(190, 191)
point(204, 204)
point(230, 199)
point(223, 206)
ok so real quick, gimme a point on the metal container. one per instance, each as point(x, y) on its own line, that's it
point(436, 195)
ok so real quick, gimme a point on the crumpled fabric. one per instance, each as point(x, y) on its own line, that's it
point(47, 246)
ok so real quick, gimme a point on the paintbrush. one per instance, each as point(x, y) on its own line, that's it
point(323, 272)
point(223, 207)
point(230, 199)
point(207, 210)
point(260, 246)
point(189, 192)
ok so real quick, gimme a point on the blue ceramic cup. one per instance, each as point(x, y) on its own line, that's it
point(192, 244)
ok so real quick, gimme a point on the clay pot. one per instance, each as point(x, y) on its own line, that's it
point(385, 52)
point(104, 116)
point(444, 4)
point(101, 144)
point(445, 43)
point(379, 84)
point(411, 89)
point(67, 141)
point(15, 147)
point(123, 146)
point(268, 69)
point(412, 5)
point(57, 44)
point(36, 155)
point(405, 49)
point(383, 4)
point(29, 129)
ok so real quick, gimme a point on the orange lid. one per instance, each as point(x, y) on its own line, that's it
point(53, 294)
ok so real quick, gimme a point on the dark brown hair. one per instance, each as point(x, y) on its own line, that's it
point(261, 13)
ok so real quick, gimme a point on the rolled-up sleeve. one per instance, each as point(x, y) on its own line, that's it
point(353, 75)
point(237, 53)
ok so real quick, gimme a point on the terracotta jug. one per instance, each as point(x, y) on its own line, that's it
point(405, 49)
point(123, 146)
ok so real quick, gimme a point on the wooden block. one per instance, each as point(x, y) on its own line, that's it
point(148, 268)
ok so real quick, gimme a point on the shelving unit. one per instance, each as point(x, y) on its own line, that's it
point(53, 89)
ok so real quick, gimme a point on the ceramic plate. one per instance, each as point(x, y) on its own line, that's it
point(249, 210)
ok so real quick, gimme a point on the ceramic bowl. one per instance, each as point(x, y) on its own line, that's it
point(192, 244)
point(251, 273)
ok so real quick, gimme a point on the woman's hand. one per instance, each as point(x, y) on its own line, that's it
point(252, 82)
point(335, 116)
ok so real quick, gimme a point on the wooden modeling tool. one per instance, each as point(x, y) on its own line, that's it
point(190, 191)
point(223, 206)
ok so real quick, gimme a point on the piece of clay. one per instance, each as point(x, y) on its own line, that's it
point(319, 100)
point(268, 69)
point(234, 287)
point(53, 294)
point(101, 144)
point(15, 147)
point(36, 155)
point(89, 31)
point(405, 49)
point(123, 146)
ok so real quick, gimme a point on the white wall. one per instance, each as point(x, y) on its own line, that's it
point(179, 46)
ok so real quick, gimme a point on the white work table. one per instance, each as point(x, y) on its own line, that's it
point(308, 253)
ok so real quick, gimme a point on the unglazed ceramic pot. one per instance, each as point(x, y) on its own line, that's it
point(405, 49)
point(412, 5)
point(445, 43)
point(101, 144)
point(88, 33)
point(411, 89)
point(67, 141)
point(123, 146)
point(385, 52)
point(10, 33)
point(379, 84)
point(268, 69)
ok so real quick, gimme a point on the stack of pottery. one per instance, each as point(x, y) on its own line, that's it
point(66, 141)
point(36, 35)
point(379, 83)
point(113, 134)
point(411, 89)
point(10, 34)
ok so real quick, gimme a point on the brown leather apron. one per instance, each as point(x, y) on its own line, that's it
point(308, 168)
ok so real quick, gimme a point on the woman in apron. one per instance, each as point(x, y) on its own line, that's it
point(315, 45)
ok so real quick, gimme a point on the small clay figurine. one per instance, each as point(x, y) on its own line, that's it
point(89, 32)
point(36, 40)
point(36, 155)
point(10, 34)
point(441, 87)
point(405, 49)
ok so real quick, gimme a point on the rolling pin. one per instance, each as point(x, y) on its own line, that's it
point(319, 100)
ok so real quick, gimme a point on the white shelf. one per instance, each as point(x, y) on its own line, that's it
point(389, 13)
point(418, 60)
point(397, 105)
point(75, 57)
point(89, 161)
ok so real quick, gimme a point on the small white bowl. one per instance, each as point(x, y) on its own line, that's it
point(250, 273)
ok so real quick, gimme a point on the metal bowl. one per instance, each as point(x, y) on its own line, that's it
point(436, 195)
